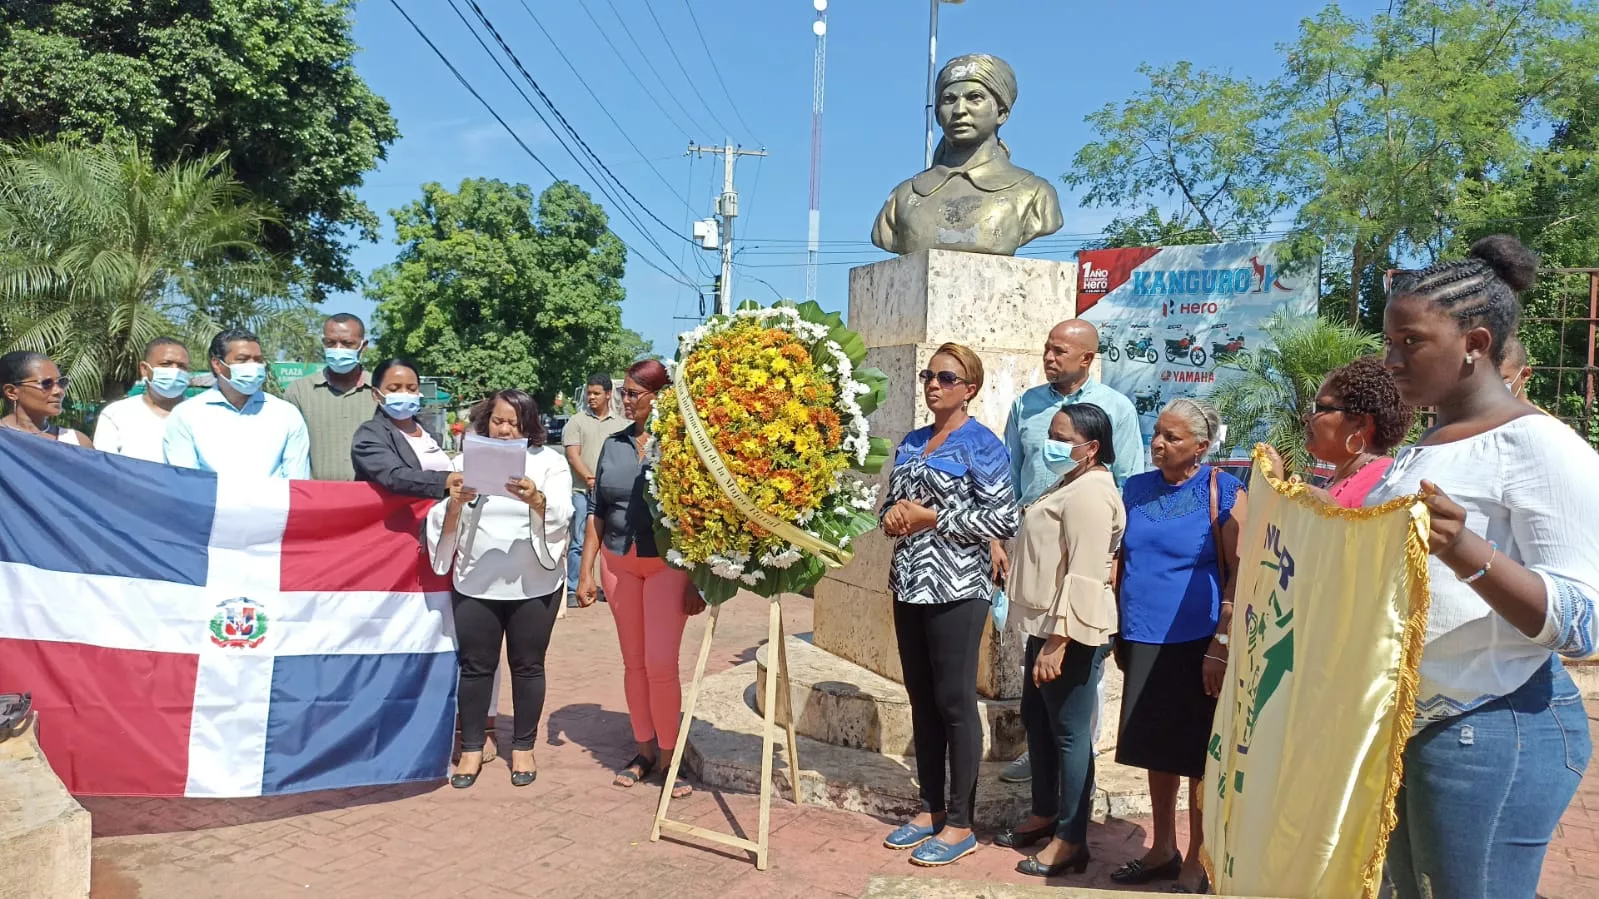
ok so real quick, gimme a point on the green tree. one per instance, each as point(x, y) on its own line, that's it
point(1422, 120)
point(1151, 229)
point(101, 250)
point(1278, 384)
point(495, 290)
point(271, 82)
point(1190, 139)
point(628, 347)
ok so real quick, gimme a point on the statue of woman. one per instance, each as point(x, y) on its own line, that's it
point(973, 198)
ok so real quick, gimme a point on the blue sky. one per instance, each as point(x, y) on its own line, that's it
point(1070, 58)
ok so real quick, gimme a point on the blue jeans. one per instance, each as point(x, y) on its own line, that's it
point(574, 549)
point(1060, 722)
point(1483, 793)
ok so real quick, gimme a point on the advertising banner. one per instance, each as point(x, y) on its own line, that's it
point(1178, 321)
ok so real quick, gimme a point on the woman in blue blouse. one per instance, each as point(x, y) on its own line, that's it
point(948, 496)
point(1179, 556)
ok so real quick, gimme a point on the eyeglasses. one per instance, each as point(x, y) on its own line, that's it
point(629, 393)
point(48, 384)
point(945, 378)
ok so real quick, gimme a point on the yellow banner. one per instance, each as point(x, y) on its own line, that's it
point(1306, 749)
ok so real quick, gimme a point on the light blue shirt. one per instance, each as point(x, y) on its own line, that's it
point(265, 439)
point(1028, 428)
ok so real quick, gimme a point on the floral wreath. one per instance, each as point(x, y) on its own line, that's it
point(758, 444)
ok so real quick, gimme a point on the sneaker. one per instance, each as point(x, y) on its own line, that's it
point(1019, 771)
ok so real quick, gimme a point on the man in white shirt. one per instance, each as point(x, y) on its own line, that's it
point(234, 428)
point(136, 426)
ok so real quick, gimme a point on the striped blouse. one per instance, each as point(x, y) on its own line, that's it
point(967, 481)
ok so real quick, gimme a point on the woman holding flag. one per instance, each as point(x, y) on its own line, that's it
point(1501, 739)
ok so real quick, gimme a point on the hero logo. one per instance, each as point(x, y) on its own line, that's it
point(1095, 280)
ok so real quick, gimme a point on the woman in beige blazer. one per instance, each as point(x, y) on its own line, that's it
point(1062, 598)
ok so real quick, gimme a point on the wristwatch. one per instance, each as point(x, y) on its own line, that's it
point(1221, 639)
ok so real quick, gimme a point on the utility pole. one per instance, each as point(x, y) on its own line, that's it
point(727, 208)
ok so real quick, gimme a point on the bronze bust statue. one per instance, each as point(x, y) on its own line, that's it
point(973, 198)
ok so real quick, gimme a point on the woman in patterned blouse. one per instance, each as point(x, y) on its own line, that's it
point(949, 495)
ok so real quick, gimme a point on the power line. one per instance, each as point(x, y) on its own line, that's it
point(646, 58)
point(503, 124)
point(648, 7)
point(637, 80)
point(711, 57)
point(599, 182)
point(585, 83)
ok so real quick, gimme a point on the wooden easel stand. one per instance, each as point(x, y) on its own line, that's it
point(776, 677)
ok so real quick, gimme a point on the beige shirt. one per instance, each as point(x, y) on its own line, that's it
point(331, 419)
point(1061, 573)
point(588, 433)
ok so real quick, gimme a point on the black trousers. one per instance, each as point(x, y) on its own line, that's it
point(938, 646)
point(1059, 717)
point(524, 625)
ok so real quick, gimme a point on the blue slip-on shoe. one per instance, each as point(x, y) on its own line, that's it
point(909, 836)
point(935, 852)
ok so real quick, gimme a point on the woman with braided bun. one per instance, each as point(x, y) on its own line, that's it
point(1356, 419)
point(1501, 738)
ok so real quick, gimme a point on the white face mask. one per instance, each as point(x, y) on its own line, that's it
point(167, 383)
point(247, 377)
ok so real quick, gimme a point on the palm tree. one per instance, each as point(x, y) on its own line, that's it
point(1278, 385)
point(100, 251)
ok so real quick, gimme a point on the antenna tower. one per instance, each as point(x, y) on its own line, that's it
point(818, 87)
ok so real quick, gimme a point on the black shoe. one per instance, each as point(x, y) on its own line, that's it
point(1011, 838)
point(1204, 886)
point(1077, 864)
point(1136, 872)
point(523, 778)
point(462, 781)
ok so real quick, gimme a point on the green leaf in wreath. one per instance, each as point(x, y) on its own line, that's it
point(877, 455)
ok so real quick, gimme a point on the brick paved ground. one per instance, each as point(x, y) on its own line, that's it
point(571, 834)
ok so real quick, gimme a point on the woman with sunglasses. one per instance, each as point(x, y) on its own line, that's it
point(949, 496)
point(1357, 419)
point(650, 601)
point(31, 392)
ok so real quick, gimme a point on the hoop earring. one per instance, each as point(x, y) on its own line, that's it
point(1354, 452)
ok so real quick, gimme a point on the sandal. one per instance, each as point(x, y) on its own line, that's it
point(681, 788)
point(634, 771)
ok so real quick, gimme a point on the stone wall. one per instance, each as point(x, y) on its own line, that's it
point(44, 832)
point(1002, 307)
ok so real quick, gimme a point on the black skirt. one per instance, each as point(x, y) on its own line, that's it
point(1166, 716)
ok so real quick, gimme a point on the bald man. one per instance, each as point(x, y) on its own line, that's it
point(1068, 354)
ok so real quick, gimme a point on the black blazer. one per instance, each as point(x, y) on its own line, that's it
point(381, 455)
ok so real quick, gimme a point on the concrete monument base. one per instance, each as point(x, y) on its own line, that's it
point(44, 832)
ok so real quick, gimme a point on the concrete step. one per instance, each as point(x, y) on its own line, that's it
point(724, 750)
point(44, 832)
point(841, 703)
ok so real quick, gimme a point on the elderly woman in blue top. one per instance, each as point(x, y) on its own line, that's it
point(1179, 559)
point(949, 496)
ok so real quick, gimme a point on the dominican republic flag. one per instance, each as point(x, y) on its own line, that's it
point(189, 635)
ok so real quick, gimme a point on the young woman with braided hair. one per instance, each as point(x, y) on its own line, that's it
point(1501, 739)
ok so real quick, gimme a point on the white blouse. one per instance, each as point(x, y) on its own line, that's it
point(1532, 487)
point(503, 549)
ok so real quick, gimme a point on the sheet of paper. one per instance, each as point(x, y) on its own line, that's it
point(489, 463)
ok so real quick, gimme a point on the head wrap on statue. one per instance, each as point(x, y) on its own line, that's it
point(991, 72)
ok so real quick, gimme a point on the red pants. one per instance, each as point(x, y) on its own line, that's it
point(646, 599)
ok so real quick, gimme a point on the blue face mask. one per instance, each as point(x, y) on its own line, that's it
point(167, 383)
point(247, 377)
point(400, 406)
point(1058, 456)
point(341, 360)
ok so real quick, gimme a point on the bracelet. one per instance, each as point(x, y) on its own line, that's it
point(1486, 566)
point(1214, 659)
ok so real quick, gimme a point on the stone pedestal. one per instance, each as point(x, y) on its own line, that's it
point(44, 832)
point(1002, 308)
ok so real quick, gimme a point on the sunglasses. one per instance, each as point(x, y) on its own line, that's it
point(945, 378)
point(630, 394)
point(1323, 409)
point(48, 384)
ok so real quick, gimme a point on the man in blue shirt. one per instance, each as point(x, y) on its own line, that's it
point(1069, 353)
point(234, 428)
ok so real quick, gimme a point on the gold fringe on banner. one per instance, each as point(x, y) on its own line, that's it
point(705, 448)
point(1413, 640)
